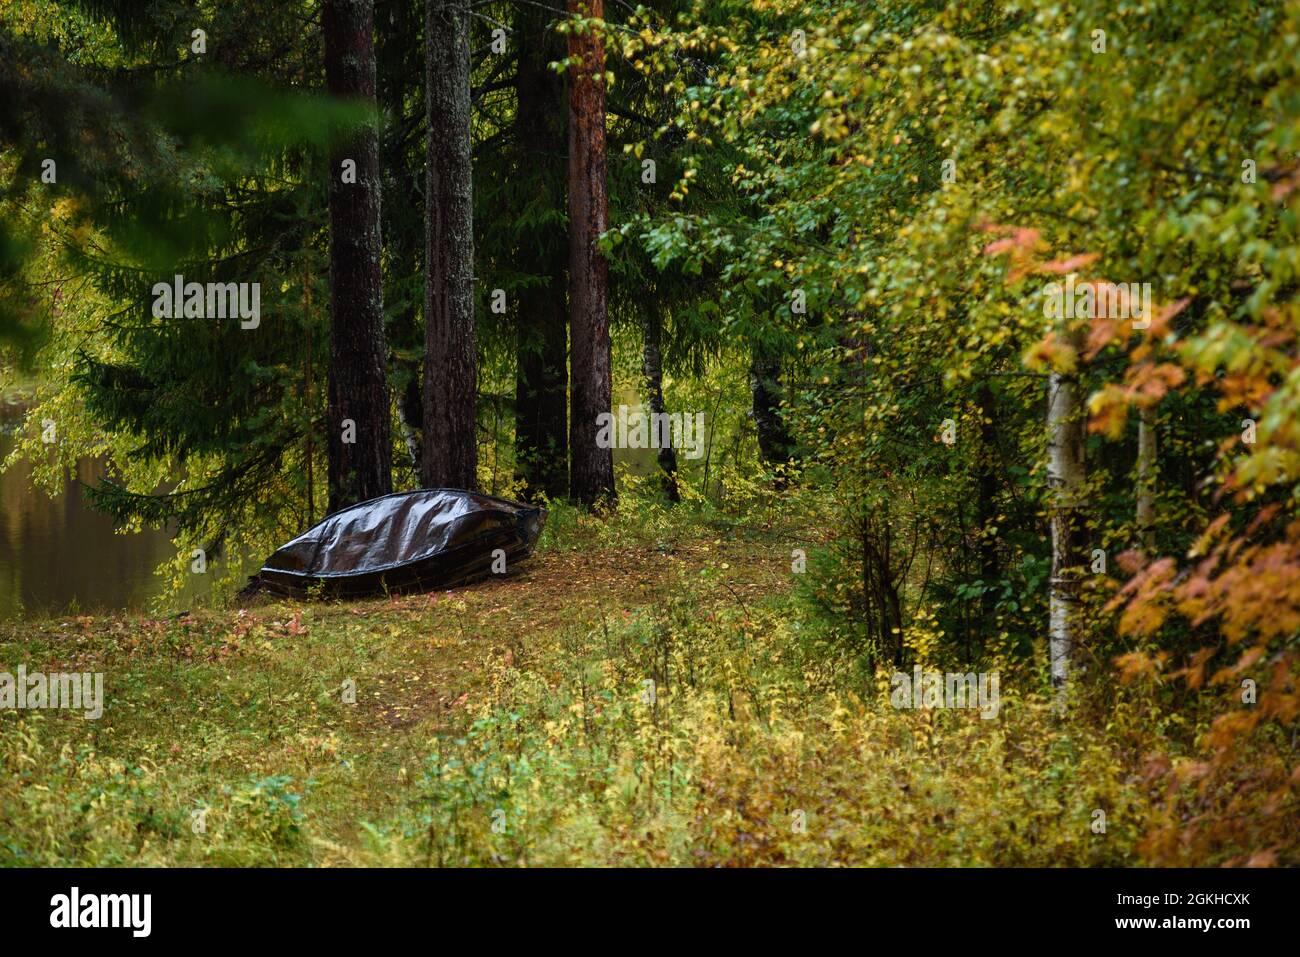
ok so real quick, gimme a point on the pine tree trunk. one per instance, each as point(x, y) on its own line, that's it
point(398, 51)
point(542, 336)
point(1065, 481)
point(449, 457)
point(652, 369)
point(358, 378)
point(1146, 479)
point(541, 396)
point(592, 470)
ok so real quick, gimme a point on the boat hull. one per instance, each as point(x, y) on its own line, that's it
point(408, 541)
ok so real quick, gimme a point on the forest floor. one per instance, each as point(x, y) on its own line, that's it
point(630, 696)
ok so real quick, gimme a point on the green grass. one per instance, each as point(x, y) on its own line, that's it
point(510, 723)
point(242, 712)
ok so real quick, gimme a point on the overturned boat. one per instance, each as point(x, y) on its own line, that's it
point(407, 541)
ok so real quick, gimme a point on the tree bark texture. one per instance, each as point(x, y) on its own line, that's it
point(1146, 479)
point(358, 380)
point(449, 456)
point(592, 468)
point(542, 337)
point(1065, 481)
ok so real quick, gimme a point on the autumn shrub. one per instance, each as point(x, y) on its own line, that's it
point(75, 806)
point(692, 737)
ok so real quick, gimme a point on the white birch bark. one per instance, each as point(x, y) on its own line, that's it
point(1065, 479)
point(1146, 479)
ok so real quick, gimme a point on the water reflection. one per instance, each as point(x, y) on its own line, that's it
point(59, 553)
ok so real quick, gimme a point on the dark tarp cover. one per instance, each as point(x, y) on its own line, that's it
point(432, 538)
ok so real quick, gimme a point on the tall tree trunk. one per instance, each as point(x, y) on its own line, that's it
point(542, 336)
point(358, 382)
point(1146, 478)
point(1065, 481)
point(541, 394)
point(774, 442)
point(652, 369)
point(988, 490)
point(399, 56)
point(592, 471)
point(882, 603)
point(449, 457)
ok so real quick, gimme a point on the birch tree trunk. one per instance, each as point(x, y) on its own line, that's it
point(592, 470)
point(1065, 480)
point(1146, 479)
point(449, 457)
point(542, 336)
point(359, 447)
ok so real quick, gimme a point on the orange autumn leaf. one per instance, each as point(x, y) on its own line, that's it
point(1063, 267)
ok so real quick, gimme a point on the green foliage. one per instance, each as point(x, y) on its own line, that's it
point(871, 199)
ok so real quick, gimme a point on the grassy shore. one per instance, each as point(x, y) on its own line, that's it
point(637, 693)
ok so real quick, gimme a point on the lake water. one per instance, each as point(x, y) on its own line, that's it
point(58, 554)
